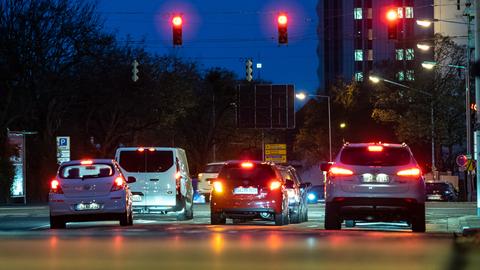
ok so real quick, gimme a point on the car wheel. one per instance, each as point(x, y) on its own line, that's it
point(332, 219)
point(279, 219)
point(187, 211)
point(305, 218)
point(57, 223)
point(130, 218)
point(350, 223)
point(295, 216)
point(217, 219)
point(124, 219)
point(418, 218)
point(207, 198)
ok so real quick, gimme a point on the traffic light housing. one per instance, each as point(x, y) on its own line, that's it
point(249, 70)
point(282, 22)
point(177, 23)
point(392, 23)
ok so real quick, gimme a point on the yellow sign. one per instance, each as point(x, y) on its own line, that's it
point(275, 152)
point(277, 160)
point(470, 165)
point(278, 146)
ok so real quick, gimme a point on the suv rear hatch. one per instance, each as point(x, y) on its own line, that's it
point(89, 180)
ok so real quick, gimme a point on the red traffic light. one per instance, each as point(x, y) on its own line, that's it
point(392, 15)
point(177, 21)
point(282, 19)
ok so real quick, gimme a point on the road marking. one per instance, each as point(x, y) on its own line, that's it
point(40, 227)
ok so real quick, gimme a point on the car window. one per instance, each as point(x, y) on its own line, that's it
point(213, 168)
point(389, 156)
point(86, 171)
point(260, 173)
point(436, 186)
point(146, 161)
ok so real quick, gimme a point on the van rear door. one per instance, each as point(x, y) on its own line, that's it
point(132, 162)
point(161, 170)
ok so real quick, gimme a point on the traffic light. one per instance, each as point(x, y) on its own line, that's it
point(177, 30)
point(392, 22)
point(135, 70)
point(473, 114)
point(282, 21)
point(249, 70)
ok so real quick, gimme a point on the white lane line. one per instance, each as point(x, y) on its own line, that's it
point(40, 227)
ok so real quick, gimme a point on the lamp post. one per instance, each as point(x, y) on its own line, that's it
point(376, 79)
point(302, 96)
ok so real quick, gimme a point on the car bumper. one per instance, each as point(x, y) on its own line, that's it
point(63, 206)
point(239, 206)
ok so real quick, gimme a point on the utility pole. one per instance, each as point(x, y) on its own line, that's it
point(468, 14)
point(477, 100)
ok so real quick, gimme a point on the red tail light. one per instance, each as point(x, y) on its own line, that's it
point(275, 184)
point(375, 148)
point(340, 171)
point(246, 165)
point(86, 162)
point(55, 187)
point(412, 172)
point(118, 184)
point(217, 186)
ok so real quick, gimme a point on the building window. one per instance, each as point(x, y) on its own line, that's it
point(359, 76)
point(401, 76)
point(369, 13)
point(370, 55)
point(357, 13)
point(358, 55)
point(409, 54)
point(410, 75)
point(409, 12)
point(399, 54)
point(400, 12)
point(370, 34)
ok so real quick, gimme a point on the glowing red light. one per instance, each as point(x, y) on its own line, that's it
point(409, 172)
point(86, 162)
point(177, 21)
point(340, 171)
point(282, 19)
point(375, 148)
point(119, 181)
point(275, 184)
point(392, 15)
point(54, 184)
point(141, 149)
point(247, 165)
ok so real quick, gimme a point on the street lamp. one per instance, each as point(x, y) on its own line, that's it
point(302, 96)
point(376, 79)
point(423, 47)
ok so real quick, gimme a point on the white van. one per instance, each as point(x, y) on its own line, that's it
point(163, 182)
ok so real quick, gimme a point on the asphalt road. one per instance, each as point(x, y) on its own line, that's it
point(157, 241)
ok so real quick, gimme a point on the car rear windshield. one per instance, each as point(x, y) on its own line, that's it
point(260, 173)
point(436, 186)
point(86, 171)
point(146, 161)
point(389, 156)
point(213, 168)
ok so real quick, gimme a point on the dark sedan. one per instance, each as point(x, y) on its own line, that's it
point(441, 191)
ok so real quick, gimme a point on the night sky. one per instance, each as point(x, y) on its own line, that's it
point(224, 33)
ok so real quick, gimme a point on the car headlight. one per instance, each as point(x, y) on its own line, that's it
point(311, 196)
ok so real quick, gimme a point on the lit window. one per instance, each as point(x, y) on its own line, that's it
point(401, 76)
point(370, 34)
point(359, 76)
point(409, 54)
point(410, 75)
point(370, 55)
point(399, 54)
point(369, 13)
point(409, 12)
point(357, 13)
point(358, 55)
point(400, 12)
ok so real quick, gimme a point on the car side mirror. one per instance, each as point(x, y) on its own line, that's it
point(325, 167)
point(305, 185)
point(289, 184)
point(131, 179)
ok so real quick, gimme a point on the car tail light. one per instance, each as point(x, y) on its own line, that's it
point(55, 187)
point(340, 171)
point(86, 162)
point(409, 172)
point(275, 184)
point(118, 184)
point(151, 149)
point(246, 165)
point(217, 187)
point(375, 148)
point(141, 149)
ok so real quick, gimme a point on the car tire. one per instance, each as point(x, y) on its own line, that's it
point(350, 223)
point(279, 219)
point(187, 211)
point(418, 218)
point(124, 219)
point(130, 218)
point(217, 219)
point(295, 216)
point(57, 223)
point(332, 219)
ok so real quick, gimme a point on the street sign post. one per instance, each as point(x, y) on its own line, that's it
point(63, 149)
point(276, 153)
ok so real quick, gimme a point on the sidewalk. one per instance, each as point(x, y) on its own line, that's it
point(469, 225)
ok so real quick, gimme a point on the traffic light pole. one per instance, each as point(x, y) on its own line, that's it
point(468, 179)
point(477, 100)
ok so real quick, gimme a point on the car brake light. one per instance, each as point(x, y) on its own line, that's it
point(151, 149)
point(86, 162)
point(275, 184)
point(178, 175)
point(247, 165)
point(218, 186)
point(117, 184)
point(55, 187)
point(141, 149)
point(375, 148)
point(409, 172)
point(340, 171)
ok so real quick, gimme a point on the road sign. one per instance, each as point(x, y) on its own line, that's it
point(462, 160)
point(63, 149)
point(470, 165)
point(276, 152)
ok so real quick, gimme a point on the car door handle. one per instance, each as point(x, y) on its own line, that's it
point(154, 180)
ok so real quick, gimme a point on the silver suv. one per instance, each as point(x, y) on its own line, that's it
point(374, 182)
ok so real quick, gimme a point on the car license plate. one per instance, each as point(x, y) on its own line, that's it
point(434, 197)
point(244, 190)
point(137, 198)
point(87, 206)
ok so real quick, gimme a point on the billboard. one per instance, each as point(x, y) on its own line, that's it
point(18, 186)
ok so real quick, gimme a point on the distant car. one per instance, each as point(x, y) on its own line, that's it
point(90, 190)
point(297, 196)
point(249, 190)
point(441, 191)
point(374, 182)
point(315, 194)
point(206, 177)
point(163, 182)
